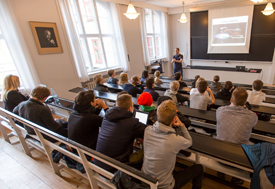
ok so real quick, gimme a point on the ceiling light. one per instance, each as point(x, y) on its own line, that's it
point(257, 1)
point(131, 12)
point(183, 18)
point(268, 9)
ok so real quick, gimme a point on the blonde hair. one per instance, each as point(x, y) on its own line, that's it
point(123, 78)
point(166, 112)
point(174, 86)
point(157, 74)
point(124, 101)
point(11, 82)
point(97, 79)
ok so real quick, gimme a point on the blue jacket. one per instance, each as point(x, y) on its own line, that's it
point(154, 94)
point(132, 90)
point(112, 80)
point(261, 155)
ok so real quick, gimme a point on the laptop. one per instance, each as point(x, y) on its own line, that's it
point(142, 117)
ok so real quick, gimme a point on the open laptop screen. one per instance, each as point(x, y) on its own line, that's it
point(142, 116)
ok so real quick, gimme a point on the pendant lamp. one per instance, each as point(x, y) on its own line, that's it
point(183, 18)
point(131, 12)
point(268, 9)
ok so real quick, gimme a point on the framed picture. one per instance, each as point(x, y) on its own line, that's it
point(46, 37)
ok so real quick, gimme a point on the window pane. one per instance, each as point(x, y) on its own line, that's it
point(158, 46)
point(85, 54)
point(88, 16)
point(148, 20)
point(110, 49)
point(96, 52)
point(150, 46)
point(156, 16)
point(6, 62)
point(104, 17)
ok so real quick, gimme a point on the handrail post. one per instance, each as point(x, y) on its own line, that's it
point(4, 133)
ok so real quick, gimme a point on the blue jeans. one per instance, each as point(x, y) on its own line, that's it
point(177, 70)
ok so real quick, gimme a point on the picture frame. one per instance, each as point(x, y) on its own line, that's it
point(46, 37)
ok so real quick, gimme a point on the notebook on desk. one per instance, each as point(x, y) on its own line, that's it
point(142, 117)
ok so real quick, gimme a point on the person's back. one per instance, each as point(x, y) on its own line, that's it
point(235, 122)
point(216, 86)
point(84, 122)
point(199, 97)
point(150, 85)
point(161, 146)
point(256, 96)
point(112, 79)
point(118, 130)
point(132, 88)
point(173, 93)
point(144, 76)
point(226, 92)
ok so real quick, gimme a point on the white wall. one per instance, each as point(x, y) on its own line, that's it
point(180, 37)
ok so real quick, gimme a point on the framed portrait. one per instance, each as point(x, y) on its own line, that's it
point(46, 37)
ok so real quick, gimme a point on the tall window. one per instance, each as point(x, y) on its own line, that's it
point(6, 62)
point(96, 34)
point(154, 35)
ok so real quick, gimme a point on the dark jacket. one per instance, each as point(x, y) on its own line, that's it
point(132, 90)
point(194, 83)
point(224, 95)
point(14, 98)
point(215, 87)
point(182, 84)
point(36, 112)
point(83, 125)
point(118, 131)
point(102, 88)
point(112, 80)
point(261, 155)
point(154, 94)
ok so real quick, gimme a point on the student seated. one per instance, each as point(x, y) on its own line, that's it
point(195, 80)
point(199, 97)
point(226, 92)
point(134, 88)
point(256, 96)
point(35, 111)
point(84, 122)
point(145, 101)
point(123, 79)
point(216, 86)
point(161, 146)
point(178, 78)
point(150, 84)
point(98, 79)
point(173, 93)
point(112, 79)
point(235, 122)
point(10, 93)
point(157, 80)
point(118, 130)
point(144, 76)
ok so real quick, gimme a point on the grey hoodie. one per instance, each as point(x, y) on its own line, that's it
point(161, 146)
point(172, 94)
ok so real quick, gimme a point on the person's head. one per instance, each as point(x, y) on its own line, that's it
point(11, 82)
point(197, 77)
point(177, 50)
point(98, 79)
point(202, 86)
point(166, 112)
point(228, 85)
point(111, 73)
point(85, 98)
point(216, 78)
point(239, 96)
point(40, 93)
point(198, 80)
point(150, 83)
point(124, 101)
point(257, 85)
point(157, 74)
point(122, 92)
point(123, 78)
point(144, 74)
point(145, 99)
point(135, 80)
point(174, 86)
point(178, 76)
point(47, 34)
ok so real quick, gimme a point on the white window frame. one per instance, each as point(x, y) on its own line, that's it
point(154, 35)
point(100, 36)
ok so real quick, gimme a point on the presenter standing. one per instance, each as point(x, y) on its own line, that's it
point(177, 59)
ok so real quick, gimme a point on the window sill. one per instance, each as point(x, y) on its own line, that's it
point(103, 71)
point(159, 60)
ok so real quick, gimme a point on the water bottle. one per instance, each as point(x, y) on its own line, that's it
point(55, 97)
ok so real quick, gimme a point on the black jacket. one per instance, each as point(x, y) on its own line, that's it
point(224, 95)
point(14, 98)
point(153, 93)
point(118, 131)
point(102, 88)
point(36, 112)
point(132, 90)
point(83, 125)
point(112, 80)
point(182, 84)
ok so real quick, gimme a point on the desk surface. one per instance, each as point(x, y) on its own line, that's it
point(221, 149)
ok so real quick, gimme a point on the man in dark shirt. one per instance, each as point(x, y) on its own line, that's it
point(177, 59)
point(84, 121)
point(150, 83)
point(35, 111)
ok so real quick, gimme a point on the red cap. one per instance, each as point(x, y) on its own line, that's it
point(145, 99)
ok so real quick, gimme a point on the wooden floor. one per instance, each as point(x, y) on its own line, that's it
point(18, 170)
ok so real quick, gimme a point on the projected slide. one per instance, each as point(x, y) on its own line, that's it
point(229, 31)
